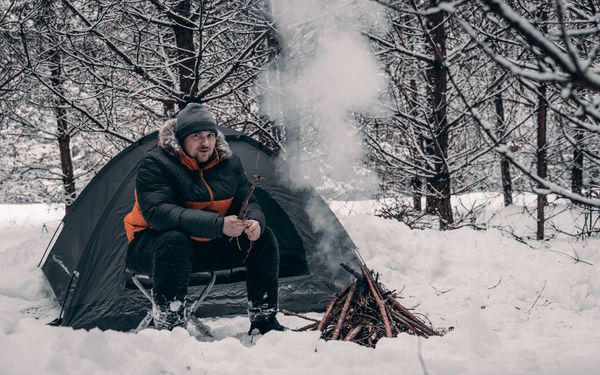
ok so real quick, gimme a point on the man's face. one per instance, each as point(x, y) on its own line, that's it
point(200, 146)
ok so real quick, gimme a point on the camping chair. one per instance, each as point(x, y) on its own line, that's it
point(206, 278)
point(200, 278)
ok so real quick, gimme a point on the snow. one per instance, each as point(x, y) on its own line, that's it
point(515, 308)
point(18, 222)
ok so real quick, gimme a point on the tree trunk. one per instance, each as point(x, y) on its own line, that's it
point(542, 163)
point(64, 139)
point(417, 186)
point(438, 185)
point(577, 169)
point(541, 157)
point(186, 52)
point(416, 181)
point(504, 162)
point(506, 181)
point(430, 197)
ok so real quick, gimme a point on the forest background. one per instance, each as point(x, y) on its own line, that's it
point(410, 102)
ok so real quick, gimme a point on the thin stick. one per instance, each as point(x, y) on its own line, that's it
point(403, 310)
point(382, 309)
point(340, 322)
point(411, 320)
point(244, 209)
point(351, 270)
point(310, 326)
point(291, 313)
point(418, 329)
point(498, 283)
point(327, 314)
point(538, 297)
point(353, 333)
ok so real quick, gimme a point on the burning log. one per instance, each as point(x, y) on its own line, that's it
point(365, 311)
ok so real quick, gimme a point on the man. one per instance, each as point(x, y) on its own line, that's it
point(189, 192)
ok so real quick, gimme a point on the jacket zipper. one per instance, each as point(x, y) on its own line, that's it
point(210, 192)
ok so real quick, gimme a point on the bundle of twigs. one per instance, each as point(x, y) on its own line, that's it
point(365, 311)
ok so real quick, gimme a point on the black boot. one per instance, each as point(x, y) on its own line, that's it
point(169, 314)
point(263, 318)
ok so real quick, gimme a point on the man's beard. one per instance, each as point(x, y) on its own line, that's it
point(203, 153)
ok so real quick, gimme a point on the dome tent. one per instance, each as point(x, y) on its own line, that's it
point(85, 265)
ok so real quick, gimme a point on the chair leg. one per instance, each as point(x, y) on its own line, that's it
point(148, 318)
point(145, 322)
point(198, 327)
point(140, 286)
point(205, 291)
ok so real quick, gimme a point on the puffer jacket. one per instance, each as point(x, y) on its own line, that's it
point(174, 193)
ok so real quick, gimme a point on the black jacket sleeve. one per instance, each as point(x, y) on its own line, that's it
point(254, 210)
point(163, 211)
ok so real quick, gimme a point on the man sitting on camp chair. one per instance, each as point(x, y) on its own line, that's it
point(189, 192)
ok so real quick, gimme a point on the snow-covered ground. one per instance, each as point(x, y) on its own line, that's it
point(516, 308)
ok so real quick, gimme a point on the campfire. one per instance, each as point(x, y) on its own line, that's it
point(365, 311)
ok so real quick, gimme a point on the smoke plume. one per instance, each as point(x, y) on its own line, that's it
point(324, 74)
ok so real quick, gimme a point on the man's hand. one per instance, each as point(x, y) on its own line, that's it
point(252, 230)
point(232, 226)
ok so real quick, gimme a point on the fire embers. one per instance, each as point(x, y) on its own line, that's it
point(365, 311)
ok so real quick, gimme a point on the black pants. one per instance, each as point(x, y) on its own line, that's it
point(172, 256)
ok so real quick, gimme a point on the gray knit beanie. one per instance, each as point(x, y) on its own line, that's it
point(194, 119)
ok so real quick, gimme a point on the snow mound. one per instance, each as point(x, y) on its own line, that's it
point(514, 307)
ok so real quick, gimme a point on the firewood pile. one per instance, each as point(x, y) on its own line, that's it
point(365, 311)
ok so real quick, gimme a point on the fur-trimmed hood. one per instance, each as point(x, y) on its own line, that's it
point(168, 142)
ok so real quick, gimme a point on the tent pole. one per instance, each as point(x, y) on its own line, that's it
point(62, 308)
point(50, 243)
